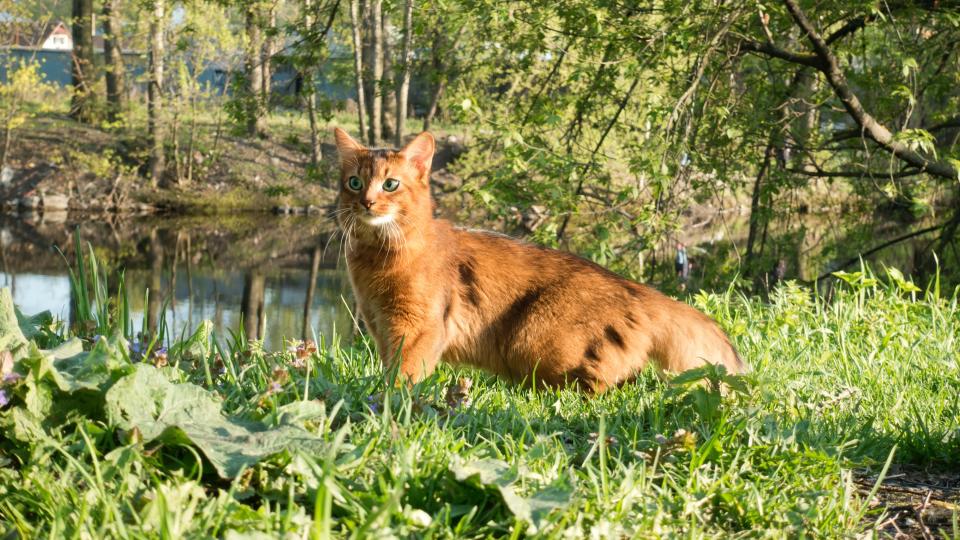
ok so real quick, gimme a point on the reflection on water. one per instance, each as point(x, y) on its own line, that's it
point(271, 278)
point(809, 246)
point(267, 276)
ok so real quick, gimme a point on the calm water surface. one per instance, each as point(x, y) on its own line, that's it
point(274, 277)
point(281, 277)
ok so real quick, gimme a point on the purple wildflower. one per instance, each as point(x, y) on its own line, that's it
point(12, 378)
point(275, 387)
point(372, 403)
point(136, 351)
point(4, 398)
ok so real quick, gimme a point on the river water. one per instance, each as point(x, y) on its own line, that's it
point(277, 278)
point(282, 277)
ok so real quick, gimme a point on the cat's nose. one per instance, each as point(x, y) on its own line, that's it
point(367, 203)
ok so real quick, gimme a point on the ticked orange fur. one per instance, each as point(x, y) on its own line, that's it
point(428, 290)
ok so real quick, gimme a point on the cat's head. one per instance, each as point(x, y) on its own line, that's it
point(383, 191)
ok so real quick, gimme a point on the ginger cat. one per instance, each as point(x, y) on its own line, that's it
point(429, 290)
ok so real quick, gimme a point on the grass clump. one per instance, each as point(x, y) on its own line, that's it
point(101, 440)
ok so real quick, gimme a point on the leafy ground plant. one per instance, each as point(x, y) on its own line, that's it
point(848, 402)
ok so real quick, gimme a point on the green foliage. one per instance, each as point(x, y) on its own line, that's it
point(23, 94)
point(618, 119)
point(277, 191)
point(240, 104)
point(93, 311)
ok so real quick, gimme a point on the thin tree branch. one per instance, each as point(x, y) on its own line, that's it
point(884, 245)
point(770, 49)
point(849, 27)
point(946, 124)
point(603, 137)
point(855, 174)
point(829, 65)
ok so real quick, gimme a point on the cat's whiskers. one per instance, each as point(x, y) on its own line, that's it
point(330, 239)
point(351, 221)
point(395, 230)
point(335, 215)
point(383, 239)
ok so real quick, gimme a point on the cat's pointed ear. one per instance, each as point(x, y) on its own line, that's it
point(347, 147)
point(420, 152)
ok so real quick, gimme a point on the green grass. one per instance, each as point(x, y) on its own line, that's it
point(837, 389)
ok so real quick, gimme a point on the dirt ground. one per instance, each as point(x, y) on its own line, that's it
point(913, 503)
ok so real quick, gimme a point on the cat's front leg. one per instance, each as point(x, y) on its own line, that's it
point(419, 352)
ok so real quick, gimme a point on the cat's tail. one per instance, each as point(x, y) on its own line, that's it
point(688, 339)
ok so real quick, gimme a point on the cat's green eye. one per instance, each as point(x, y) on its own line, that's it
point(354, 183)
point(391, 184)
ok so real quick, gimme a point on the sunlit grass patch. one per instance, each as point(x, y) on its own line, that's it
point(315, 439)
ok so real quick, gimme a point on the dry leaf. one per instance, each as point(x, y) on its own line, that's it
point(458, 394)
point(6, 363)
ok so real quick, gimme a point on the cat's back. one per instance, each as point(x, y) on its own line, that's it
point(508, 280)
point(520, 261)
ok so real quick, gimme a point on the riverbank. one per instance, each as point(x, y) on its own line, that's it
point(56, 164)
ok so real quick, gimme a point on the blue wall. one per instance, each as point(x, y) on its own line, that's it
point(55, 65)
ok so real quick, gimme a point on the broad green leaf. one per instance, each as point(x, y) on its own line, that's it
point(174, 412)
point(11, 335)
point(71, 369)
point(23, 425)
point(30, 325)
point(901, 282)
point(496, 474)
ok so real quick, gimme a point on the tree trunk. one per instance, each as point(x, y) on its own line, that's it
point(403, 89)
point(251, 309)
point(191, 137)
point(113, 58)
point(5, 146)
point(444, 59)
point(177, 158)
point(434, 103)
point(269, 49)
point(368, 82)
point(83, 100)
point(309, 92)
point(376, 109)
point(155, 93)
point(358, 65)
point(316, 152)
point(256, 121)
point(388, 91)
point(755, 202)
